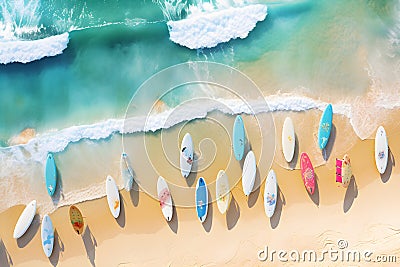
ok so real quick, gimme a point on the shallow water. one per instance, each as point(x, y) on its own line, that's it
point(304, 55)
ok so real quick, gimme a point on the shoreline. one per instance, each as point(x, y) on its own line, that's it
point(142, 236)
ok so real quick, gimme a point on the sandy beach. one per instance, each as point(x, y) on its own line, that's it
point(363, 215)
point(89, 80)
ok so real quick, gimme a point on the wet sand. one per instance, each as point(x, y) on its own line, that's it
point(364, 214)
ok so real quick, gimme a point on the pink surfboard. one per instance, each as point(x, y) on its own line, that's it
point(339, 164)
point(307, 173)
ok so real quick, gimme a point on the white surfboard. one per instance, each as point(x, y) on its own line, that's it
point(381, 150)
point(288, 139)
point(113, 196)
point(270, 194)
point(186, 155)
point(126, 172)
point(25, 219)
point(249, 173)
point(223, 193)
point(47, 233)
point(164, 196)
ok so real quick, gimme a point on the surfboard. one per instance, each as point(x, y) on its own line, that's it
point(381, 150)
point(25, 219)
point(126, 172)
point(346, 171)
point(47, 233)
point(164, 196)
point(248, 173)
point(270, 194)
point(325, 126)
point(307, 173)
point(223, 193)
point(50, 174)
point(186, 155)
point(239, 138)
point(113, 196)
point(288, 139)
point(201, 199)
point(75, 216)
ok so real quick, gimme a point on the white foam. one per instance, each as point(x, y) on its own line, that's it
point(94, 191)
point(206, 29)
point(26, 161)
point(27, 51)
point(57, 140)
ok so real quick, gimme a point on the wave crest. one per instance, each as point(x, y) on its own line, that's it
point(27, 51)
point(57, 141)
point(28, 159)
point(208, 29)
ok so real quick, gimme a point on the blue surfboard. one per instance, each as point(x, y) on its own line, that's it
point(50, 174)
point(201, 199)
point(238, 138)
point(325, 126)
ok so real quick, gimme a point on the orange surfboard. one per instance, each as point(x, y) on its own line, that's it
point(307, 173)
point(76, 219)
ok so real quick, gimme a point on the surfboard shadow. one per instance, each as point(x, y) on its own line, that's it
point(247, 147)
point(5, 257)
point(315, 197)
point(351, 194)
point(280, 202)
point(121, 218)
point(295, 159)
point(208, 221)
point(389, 168)
point(252, 198)
point(173, 223)
point(30, 233)
point(57, 249)
point(134, 193)
point(327, 151)
point(233, 213)
point(90, 245)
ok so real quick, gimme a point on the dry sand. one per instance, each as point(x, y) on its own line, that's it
point(364, 214)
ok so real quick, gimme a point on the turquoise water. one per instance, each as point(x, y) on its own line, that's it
point(303, 55)
point(116, 45)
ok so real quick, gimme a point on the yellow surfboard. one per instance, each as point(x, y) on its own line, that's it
point(76, 219)
point(223, 193)
point(346, 171)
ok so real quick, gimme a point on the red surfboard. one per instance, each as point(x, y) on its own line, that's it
point(307, 173)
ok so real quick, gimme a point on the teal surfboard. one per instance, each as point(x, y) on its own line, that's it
point(239, 138)
point(50, 174)
point(325, 126)
point(201, 199)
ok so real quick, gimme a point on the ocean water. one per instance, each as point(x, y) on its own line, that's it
point(70, 68)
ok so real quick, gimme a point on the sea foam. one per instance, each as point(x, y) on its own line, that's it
point(207, 29)
point(27, 51)
point(18, 160)
point(57, 140)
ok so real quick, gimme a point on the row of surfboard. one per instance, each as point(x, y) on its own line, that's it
point(28, 214)
point(289, 136)
point(344, 172)
point(223, 194)
point(47, 230)
point(76, 218)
